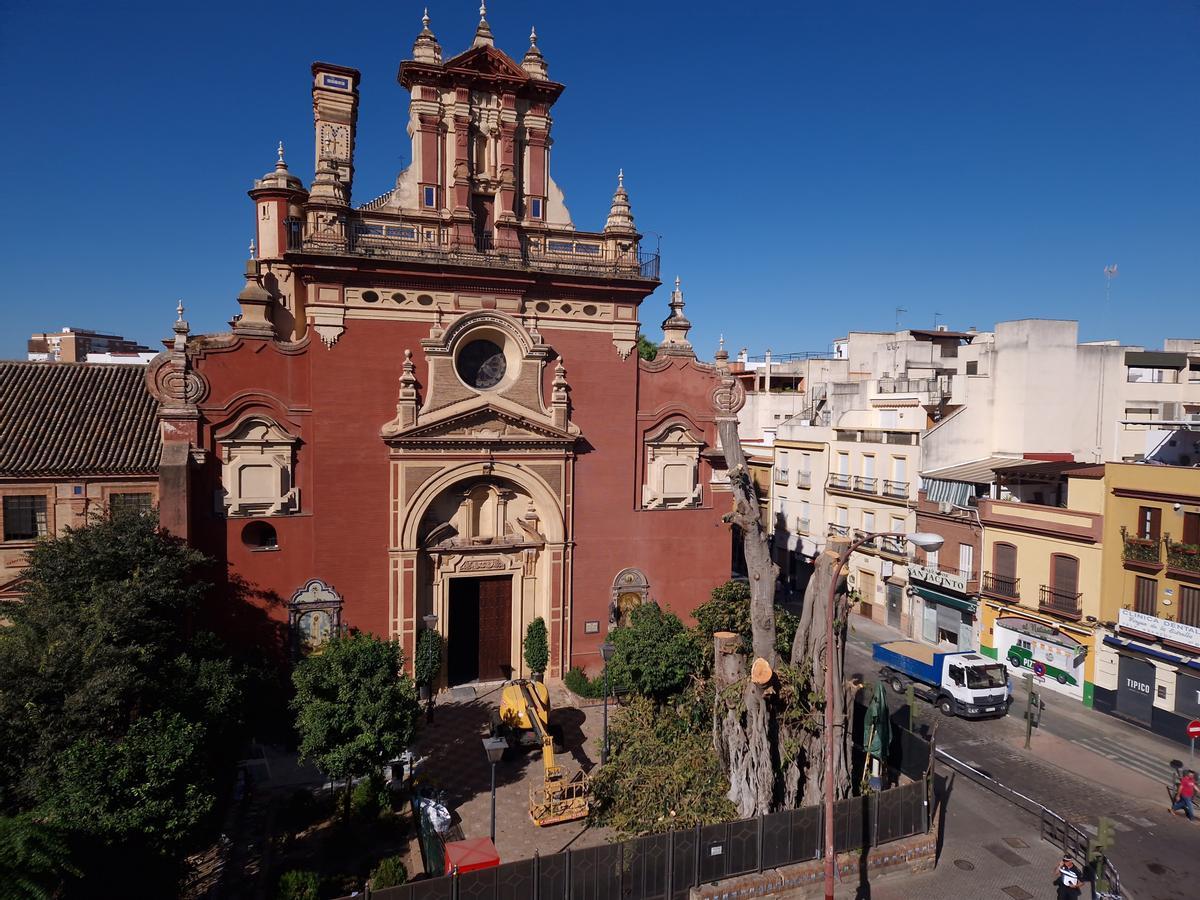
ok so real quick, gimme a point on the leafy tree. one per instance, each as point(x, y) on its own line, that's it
point(355, 709)
point(299, 884)
point(646, 348)
point(117, 718)
point(34, 859)
point(654, 746)
point(728, 609)
point(537, 645)
point(654, 654)
point(429, 656)
point(390, 872)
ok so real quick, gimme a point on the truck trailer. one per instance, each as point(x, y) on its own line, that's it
point(959, 684)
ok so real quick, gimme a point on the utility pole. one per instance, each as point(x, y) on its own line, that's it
point(1028, 710)
point(900, 310)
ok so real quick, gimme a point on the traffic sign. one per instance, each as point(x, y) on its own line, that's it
point(1193, 729)
point(1039, 669)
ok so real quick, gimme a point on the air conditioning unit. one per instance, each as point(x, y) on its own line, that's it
point(945, 507)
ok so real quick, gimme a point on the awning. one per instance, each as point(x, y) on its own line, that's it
point(959, 603)
point(1123, 644)
point(980, 471)
point(1155, 359)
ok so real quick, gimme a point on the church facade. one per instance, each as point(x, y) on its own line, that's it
point(430, 410)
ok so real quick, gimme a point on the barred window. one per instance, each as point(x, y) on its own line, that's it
point(129, 504)
point(24, 518)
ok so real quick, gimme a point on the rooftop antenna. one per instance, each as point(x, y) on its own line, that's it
point(899, 311)
point(936, 316)
point(1110, 272)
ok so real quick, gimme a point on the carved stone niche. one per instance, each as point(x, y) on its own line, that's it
point(630, 588)
point(672, 468)
point(257, 464)
point(314, 616)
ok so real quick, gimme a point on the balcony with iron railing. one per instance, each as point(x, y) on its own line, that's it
point(577, 252)
point(893, 546)
point(836, 530)
point(1067, 604)
point(779, 475)
point(1183, 560)
point(802, 526)
point(839, 482)
point(1141, 553)
point(865, 484)
point(1003, 587)
point(931, 389)
point(804, 479)
point(895, 489)
point(867, 545)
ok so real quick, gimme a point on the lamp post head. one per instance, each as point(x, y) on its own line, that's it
point(926, 541)
point(607, 650)
point(494, 747)
point(430, 621)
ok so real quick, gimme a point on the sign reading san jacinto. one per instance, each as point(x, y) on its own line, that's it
point(1163, 629)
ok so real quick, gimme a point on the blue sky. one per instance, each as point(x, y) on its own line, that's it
point(810, 166)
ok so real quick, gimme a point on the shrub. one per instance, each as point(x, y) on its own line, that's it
point(368, 800)
point(578, 683)
point(298, 884)
point(390, 872)
point(428, 657)
point(299, 810)
point(728, 609)
point(654, 745)
point(654, 655)
point(537, 646)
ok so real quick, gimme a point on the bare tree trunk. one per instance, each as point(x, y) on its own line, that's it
point(807, 784)
point(744, 729)
point(747, 733)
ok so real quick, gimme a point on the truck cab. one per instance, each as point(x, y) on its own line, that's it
point(959, 684)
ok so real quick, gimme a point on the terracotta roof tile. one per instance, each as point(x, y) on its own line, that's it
point(75, 419)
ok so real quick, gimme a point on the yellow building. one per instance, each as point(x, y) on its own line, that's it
point(1148, 663)
point(1042, 574)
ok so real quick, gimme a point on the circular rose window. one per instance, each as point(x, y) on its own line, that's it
point(481, 364)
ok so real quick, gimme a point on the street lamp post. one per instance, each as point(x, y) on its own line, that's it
point(606, 650)
point(494, 747)
point(924, 541)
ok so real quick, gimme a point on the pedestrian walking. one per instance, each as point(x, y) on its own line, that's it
point(1185, 795)
point(1068, 879)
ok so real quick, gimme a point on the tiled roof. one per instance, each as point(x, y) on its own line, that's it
point(76, 419)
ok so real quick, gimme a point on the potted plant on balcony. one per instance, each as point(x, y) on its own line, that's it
point(428, 661)
point(537, 648)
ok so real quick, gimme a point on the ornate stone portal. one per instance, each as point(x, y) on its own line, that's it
point(480, 489)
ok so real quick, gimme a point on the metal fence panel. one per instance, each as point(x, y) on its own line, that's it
point(714, 852)
point(514, 880)
point(808, 833)
point(478, 885)
point(900, 812)
point(851, 824)
point(741, 854)
point(552, 877)
point(777, 839)
point(645, 867)
point(683, 863)
point(596, 873)
point(433, 889)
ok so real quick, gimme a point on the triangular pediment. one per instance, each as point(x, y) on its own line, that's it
point(491, 422)
point(487, 60)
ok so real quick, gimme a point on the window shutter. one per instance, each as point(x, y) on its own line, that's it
point(1191, 528)
point(1065, 574)
point(1004, 557)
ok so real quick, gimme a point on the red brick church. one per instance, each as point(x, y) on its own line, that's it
point(431, 403)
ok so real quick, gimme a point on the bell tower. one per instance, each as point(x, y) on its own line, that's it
point(335, 115)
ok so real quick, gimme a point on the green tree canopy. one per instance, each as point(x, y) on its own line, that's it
point(116, 717)
point(661, 774)
point(646, 348)
point(655, 655)
point(355, 709)
point(728, 609)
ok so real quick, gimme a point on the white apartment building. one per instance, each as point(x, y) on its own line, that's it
point(889, 411)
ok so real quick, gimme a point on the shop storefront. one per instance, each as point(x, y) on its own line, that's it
point(1149, 674)
point(944, 614)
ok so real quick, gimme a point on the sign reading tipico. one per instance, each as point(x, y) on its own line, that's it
point(927, 575)
point(1175, 632)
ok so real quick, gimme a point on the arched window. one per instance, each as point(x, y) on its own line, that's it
point(260, 536)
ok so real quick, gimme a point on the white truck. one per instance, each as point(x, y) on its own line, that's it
point(959, 684)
